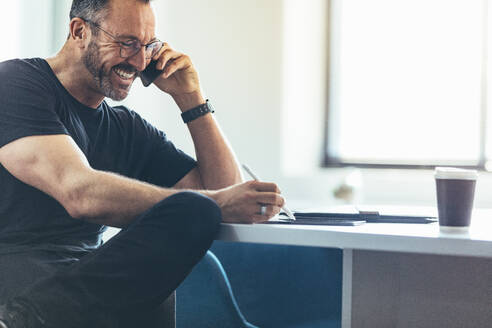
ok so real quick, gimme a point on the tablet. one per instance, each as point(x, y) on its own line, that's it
point(319, 221)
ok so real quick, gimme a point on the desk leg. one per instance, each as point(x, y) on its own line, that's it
point(347, 289)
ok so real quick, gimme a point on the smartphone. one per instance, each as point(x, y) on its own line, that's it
point(150, 73)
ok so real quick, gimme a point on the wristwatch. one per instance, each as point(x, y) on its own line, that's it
point(196, 112)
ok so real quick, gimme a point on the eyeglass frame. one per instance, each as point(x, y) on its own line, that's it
point(126, 45)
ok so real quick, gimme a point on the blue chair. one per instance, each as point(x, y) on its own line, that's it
point(284, 286)
point(205, 298)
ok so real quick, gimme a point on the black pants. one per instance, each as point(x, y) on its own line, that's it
point(131, 274)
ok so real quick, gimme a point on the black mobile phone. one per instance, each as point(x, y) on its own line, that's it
point(150, 73)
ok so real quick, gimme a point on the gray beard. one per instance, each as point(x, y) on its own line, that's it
point(91, 61)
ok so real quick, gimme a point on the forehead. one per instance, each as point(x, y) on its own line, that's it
point(131, 18)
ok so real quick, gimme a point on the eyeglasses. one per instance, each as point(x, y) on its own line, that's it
point(131, 48)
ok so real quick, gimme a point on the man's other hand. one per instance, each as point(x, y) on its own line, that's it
point(242, 203)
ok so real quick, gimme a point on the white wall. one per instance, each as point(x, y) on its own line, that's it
point(30, 37)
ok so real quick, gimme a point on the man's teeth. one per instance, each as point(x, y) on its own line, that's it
point(124, 74)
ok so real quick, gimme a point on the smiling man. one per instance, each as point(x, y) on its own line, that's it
point(72, 165)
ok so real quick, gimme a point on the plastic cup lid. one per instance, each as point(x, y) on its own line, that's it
point(455, 173)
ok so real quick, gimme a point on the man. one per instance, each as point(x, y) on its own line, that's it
point(71, 165)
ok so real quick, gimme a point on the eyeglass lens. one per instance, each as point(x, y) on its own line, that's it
point(150, 50)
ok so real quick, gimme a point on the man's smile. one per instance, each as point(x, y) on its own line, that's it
point(124, 73)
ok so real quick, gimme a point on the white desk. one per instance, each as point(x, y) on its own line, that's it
point(399, 275)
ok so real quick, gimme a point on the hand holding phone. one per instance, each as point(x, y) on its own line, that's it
point(177, 77)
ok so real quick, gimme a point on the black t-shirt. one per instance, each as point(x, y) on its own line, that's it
point(116, 139)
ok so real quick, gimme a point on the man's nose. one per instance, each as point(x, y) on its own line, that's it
point(138, 60)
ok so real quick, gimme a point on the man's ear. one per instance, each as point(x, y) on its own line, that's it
point(79, 31)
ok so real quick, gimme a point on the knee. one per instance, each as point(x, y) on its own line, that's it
point(198, 215)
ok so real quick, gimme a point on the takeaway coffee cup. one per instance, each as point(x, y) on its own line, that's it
point(455, 193)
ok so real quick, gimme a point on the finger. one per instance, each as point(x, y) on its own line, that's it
point(180, 63)
point(265, 186)
point(166, 57)
point(165, 46)
point(270, 212)
point(275, 211)
point(270, 198)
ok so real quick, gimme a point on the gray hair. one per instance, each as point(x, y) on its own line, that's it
point(88, 9)
point(92, 10)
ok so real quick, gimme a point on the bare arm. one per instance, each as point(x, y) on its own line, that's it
point(55, 165)
point(217, 165)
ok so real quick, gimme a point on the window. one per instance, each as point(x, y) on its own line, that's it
point(407, 83)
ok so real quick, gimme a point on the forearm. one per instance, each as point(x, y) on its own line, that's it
point(217, 163)
point(113, 200)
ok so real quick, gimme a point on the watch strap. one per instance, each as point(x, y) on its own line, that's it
point(196, 112)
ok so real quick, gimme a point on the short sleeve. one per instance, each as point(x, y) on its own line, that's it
point(27, 105)
point(167, 164)
point(158, 161)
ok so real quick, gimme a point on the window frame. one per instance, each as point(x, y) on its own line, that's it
point(483, 164)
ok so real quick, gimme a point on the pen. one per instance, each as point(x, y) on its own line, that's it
point(255, 177)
